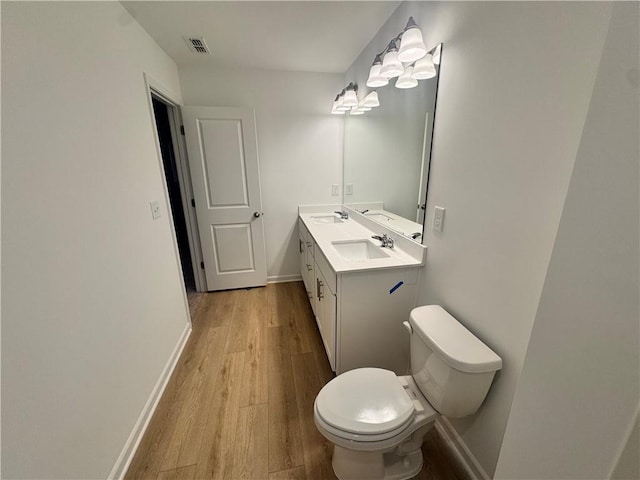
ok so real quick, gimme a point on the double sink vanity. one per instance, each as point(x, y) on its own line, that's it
point(360, 291)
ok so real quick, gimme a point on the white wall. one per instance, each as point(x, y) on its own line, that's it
point(94, 305)
point(515, 85)
point(299, 143)
point(579, 389)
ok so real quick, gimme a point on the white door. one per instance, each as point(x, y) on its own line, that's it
point(223, 158)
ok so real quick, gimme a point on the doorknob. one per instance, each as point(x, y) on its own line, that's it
point(257, 214)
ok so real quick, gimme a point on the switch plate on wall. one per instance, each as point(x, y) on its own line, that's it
point(155, 209)
point(438, 219)
point(349, 189)
point(335, 189)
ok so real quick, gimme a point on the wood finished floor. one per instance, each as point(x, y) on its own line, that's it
point(239, 404)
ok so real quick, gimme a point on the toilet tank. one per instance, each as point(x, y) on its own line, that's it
point(450, 365)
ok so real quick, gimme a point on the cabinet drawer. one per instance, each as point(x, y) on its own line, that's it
point(327, 272)
point(306, 236)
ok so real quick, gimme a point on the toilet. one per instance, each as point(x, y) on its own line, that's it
point(377, 420)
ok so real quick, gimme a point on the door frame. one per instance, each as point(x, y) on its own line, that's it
point(156, 89)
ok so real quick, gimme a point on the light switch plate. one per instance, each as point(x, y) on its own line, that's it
point(349, 189)
point(155, 209)
point(335, 189)
point(438, 219)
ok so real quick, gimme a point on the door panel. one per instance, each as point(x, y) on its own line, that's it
point(233, 248)
point(223, 157)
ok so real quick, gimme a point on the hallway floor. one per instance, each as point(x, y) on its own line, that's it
point(239, 404)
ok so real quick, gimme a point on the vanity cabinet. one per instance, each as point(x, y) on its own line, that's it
point(305, 247)
point(359, 314)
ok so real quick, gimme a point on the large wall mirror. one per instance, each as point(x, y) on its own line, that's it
point(387, 153)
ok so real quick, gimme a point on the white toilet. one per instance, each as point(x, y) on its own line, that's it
point(377, 420)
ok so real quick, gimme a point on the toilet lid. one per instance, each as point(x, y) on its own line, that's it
point(365, 401)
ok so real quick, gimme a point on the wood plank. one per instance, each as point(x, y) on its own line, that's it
point(182, 473)
point(215, 456)
point(250, 452)
point(296, 473)
point(317, 450)
point(198, 392)
point(254, 385)
point(238, 338)
point(285, 450)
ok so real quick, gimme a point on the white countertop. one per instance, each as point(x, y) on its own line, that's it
point(400, 256)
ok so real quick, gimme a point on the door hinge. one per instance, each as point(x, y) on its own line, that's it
point(182, 129)
point(202, 265)
point(193, 202)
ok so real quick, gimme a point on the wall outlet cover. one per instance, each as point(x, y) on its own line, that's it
point(155, 209)
point(438, 219)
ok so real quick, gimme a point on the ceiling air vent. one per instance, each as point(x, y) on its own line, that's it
point(197, 45)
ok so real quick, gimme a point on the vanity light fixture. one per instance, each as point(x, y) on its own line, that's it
point(412, 47)
point(424, 68)
point(356, 111)
point(406, 80)
point(376, 80)
point(407, 47)
point(391, 65)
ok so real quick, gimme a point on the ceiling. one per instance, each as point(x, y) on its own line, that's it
point(307, 36)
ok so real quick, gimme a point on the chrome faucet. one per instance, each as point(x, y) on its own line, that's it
point(343, 215)
point(387, 242)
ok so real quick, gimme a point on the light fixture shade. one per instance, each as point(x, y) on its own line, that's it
point(371, 100)
point(376, 80)
point(356, 111)
point(334, 109)
point(411, 46)
point(436, 54)
point(340, 106)
point(361, 106)
point(350, 98)
point(405, 80)
point(424, 68)
point(391, 66)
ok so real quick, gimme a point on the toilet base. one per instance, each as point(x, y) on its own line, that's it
point(357, 465)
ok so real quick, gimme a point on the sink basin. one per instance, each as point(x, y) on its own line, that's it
point(359, 250)
point(380, 217)
point(326, 219)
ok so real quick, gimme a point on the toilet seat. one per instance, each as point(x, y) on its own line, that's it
point(366, 405)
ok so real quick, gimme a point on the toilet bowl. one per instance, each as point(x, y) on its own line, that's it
point(377, 420)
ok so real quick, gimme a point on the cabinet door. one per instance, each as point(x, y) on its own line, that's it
point(304, 270)
point(311, 277)
point(326, 316)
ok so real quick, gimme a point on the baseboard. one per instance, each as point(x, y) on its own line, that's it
point(124, 460)
point(459, 450)
point(296, 277)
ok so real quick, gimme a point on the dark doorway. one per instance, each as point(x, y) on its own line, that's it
point(161, 113)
